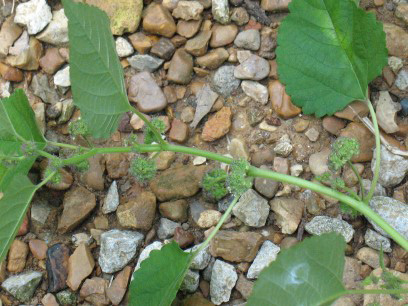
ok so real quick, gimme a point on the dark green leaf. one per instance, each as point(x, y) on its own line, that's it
point(157, 281)
point(306, 274)
point(329, 50)
point(97, 81)
point(13, 207)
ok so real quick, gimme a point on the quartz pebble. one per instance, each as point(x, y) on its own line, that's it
point(34, 14)
point(256, 91)
point(267, 254)
point(376, 241)
point(111, 201)
point(123, 47)
point(323, 224)
point(223, 279)
point(251, 209)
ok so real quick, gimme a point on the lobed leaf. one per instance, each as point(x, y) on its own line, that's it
point(328, 52)
point(306, 274)
point(157, 281)
point(97, 80)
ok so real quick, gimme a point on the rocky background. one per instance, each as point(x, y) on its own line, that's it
point(207, 68)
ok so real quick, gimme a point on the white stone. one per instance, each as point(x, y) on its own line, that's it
point(199, 160)
point(267, 253)
point(283, 146)
point(386, 111)
point(256, 91)
point(81, 238)
point(209, 218)
point(123, 47)
point(5, 88)
point(190, 282)
point(34, 14)
point(254, 68)
point(220, 11)
point(252, 209)
point(56, 33)
point(166, 228)
point(395, 63)
point(266, 127)
point(111, 201)
point(223, 279)
point(323, 224)
point(157, 245)
point(61, 78)
point(296, 170)
point(202, 259)
point(402, 80)
point(20, 45)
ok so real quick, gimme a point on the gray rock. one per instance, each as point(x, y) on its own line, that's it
point(402, 80)
point(111, 202)
point(254, 68)
point(117, 249)
point(393, 168)
point(266, 254)
point(123, 47)
point(157, 245)
point(220, 11)
point(22, 286)
point(40, 210)
point(392, 211)
point(283, 146)
point(224, 81)
point(56, 33)
point(256, 91)
point(375, 241)
point(252, 209)
point(68, 108)
point(223, 279)
point(61, 78)
point(378, 191)
point(34, 14)
point(266, 187)
point(190, 281)
point(323, 224)
point(208, 271)
point(42, 89)
point(202, 259)
point(145, 62)
point(144, 91)
point(288, 213)
point(318, 162)
point(249, 39)
point(66, 298)
point(166, 228)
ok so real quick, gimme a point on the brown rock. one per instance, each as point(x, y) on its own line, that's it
point(10, 73)
point(51, 61)
point(170, 94)
point(178, 131)
point(78, 204)
point(2, 271)
point(117, 165)
point(57, 267)
point(288, 213)
point(183, 238)
point(244, 286)
point(181, 67)
point(8, 34)
point(93, 177)
point(138, 213)
point(213, 59)
point(364, 137)
point(188, 29)
point(218, 125)
point(158, 20)
point(196, 300)
point(371, 257)
point(236, 246)
point(140, 42)
point(101, 222)
point(49, 300)
point(165, 159)
point(94, 291)
point(80, 266)
point(65, 183)
point(164, 48)
point(353, 111)
point(17, 256)
point(223, 35)
point(38, 248)
point(117, 290)
point(24, 227)
point(28, 59)
point(281, 102)
point(178, 183)
point(188, 10)
point(198, 45)
point(275, 5)
point(396, 40)
point(333, 125)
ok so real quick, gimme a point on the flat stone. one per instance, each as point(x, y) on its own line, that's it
point(220, 11)
point(249, 39)
point(371, 257)
point(353, 111)
point(188, 29)
point(267, 254)
point(158, 20)
point(288, 214)
point(80, 265)
point(201, 260)
point(157, 245)
point(78, 204)
point(223, 35)
point(111, 201)
point(116, 291)
point(144, 91)
point(57, 267)
point(181, 67)
point(275, 5)
point(281, 101)
point(164, 48)
point(123, 47)
point(224, 82)
point(252, 209)
point(236, 246)
point(56, 33)
point(94, 176)
point(333, 125)
point(145, 62)
point(238, 149)
point(218, 125)
point(8, 35)
point(213, 59)
point(94, 291)
point(377, 242)
point(40, 211)
point(392, 211)
point(190, 282)
point(323, 224)
point(254, 68)
point(256, 91)
point(223, 279)
point(283, 146)
point(118, 248)
point(34, 14)
point(240, 16)
point(22, 286)
point(198, 45)
point(38, 248)
point(17, 256)
point(177, 183)
point(188, 10)
point(138, 213)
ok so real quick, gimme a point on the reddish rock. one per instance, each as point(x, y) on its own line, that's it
point(24, 227)
point(49, 300)
point(218, 125)
point(178, 131)
point(38, 248)
point(117, 165)
point(333, 125)
point(51, 61)
point(118, 288)
point(353, 111)
point(281, 102)
point(17, 256)
point(80, 266)
point(183, 238)
point(57, 267)
point(10, 73)
point(2, 271)
point(94, 291)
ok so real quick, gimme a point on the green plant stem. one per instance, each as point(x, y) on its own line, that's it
point(360, 181)
point(218, 226)
point(45, 180)
point(63, 145)
point(352, 193)
point(377, 152)
point(362, 291)
point(46, 154)
point(150, 125)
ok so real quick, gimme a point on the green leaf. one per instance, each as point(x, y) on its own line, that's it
point(306, 274)
point(13, 207)
point(329, 50)
point(157, 281)
point(97, 80)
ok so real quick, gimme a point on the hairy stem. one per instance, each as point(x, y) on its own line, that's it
point(377, 153)
point(46, 180)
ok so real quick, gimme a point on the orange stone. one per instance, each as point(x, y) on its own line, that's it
point(218, 125)
point(281, 102)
